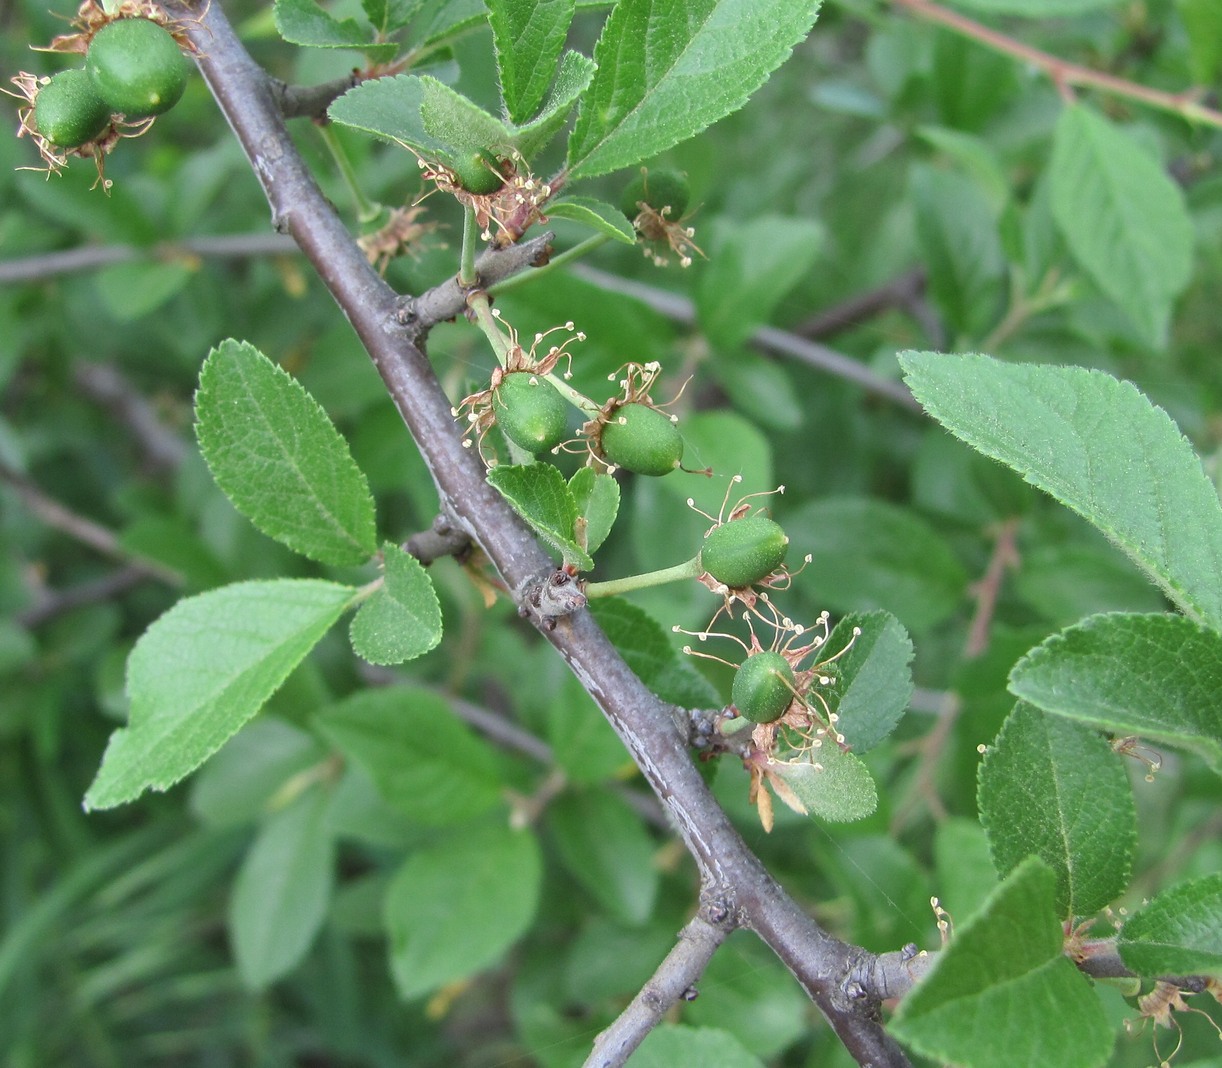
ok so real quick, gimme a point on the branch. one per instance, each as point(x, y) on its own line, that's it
point(223, 246)
point(768, 338)
point(53, 604)
point(903, 291)
point(641, 719)
point(674, 980)
point(310, 101)
point(1063, 73)
point(163, 449)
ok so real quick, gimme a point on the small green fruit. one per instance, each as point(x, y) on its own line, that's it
point(658, 189)
point(764, 686)
point(136, 67)
point(477, 172)
point(642, 440)
point(68, 111)
point(744, 551)
point(530, 412)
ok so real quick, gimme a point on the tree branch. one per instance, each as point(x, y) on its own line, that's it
point(163, 450)
point(642, 720)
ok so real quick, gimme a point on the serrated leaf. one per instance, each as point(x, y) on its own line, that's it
point(753, 264)
point(873, 678)
point(386, 16)
point(709, 1047)
point(597, 500)
point(539, 494)
point(1122, 216)
point(869, 554)
point(596, 214)
point(529, 37)
point(304, 22)
point(402, 619)
point(605, 847)
point(1157, 676)
point(421, 757)
point(644, 646)
point(1179, 932)
point(202, 670)
point(458, 123)
point(282, 890)
point(441, 19)
point(279, 458)
point(389, 108)
point(1003, 992)
point(833, 785)
point(1099, 447)
point(668, 70)
point(1056, 789)
point(456, 906)
point(574, 77)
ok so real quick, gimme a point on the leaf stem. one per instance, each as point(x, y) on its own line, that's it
point(470, 238)
point(612, 587)
point(579, 250)
point(366, 209)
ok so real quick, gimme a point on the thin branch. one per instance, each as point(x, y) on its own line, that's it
point(90, 258)
point(674, 981)
point(641, 719)
point(903, 291)
point(310, 101)
point(163, 450)
point(768, 338)
point(1065, 74)
point(53, 604)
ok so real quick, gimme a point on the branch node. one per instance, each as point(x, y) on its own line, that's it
point(548, 597)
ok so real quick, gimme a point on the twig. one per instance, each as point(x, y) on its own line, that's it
point(988, 589)
point(1063, 73)
point(641, 719)
point(224, 246)
point(163, 450)
point(310, 101)
point(903, 291)
point(781, 342)
point(56, 603)
point(674, 980)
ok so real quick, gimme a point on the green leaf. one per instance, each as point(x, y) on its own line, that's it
point(202, 670)
point(1036, 9)
point(873, 678)
point(574, 77)
point(709, 1047)
point(456, 906)
point(833, 785)
point(759, 387)
point(958, 235)
point(1003, 992)
point(869, 554)
point(645, 647)
point(304, 22)
point(1100, 448)
point(529, 37)
point(1203, 22)
point(1178, 933)
point(583, 743)
point(752, 266)
point(666, 70)
point(387, 16)
point(282, 891)
point(1056, 789)
point(389, 108)
point(277, 456)
point(421, 757)
point(458, 123)
point(600, 216)
point(442, 19)
point(608, 851)
point(131, 291)
point(1157, 676)
point(540, 495)
point(1122, 216)
point(402, 619)
point(597, 500)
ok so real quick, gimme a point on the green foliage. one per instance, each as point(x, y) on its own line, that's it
point(402, 619)
point(1177, 933)
point(1004, 971)
point(304, 22)
point(871, 679)
point(540, 495)
point(832, 785)
point(1055, 789)
point(529, 37)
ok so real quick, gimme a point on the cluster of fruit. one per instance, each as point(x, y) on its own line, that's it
point(134, 69)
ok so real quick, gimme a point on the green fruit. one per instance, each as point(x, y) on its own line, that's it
point(659, 189)
point(764, 685)
point(530, 412)
point(642, 440)
point(68, 111)
point(136, 67)
point(744, 551)
point(477, 172)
